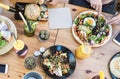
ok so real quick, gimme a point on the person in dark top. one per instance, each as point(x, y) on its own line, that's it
point(108, 6)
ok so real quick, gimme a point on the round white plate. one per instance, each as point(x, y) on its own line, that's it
point(95, 45)
point(12, 28)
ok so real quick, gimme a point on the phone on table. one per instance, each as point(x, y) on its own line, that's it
point(116, 39)
point(3, 68)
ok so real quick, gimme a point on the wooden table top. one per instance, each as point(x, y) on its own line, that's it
point(95, 63)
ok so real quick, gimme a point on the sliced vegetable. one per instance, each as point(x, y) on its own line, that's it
point(84, 28)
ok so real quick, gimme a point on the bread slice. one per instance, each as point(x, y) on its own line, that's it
point(32, 11)
point(6, 34)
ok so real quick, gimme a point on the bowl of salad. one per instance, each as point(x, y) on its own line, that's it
point(7, 33)
point(58, 62)
point(89, 27)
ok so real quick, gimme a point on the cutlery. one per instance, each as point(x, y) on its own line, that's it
point(9, 8)
point(14, 36)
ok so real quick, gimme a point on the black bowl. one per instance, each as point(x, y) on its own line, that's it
point(71, 60)
point(112, 75)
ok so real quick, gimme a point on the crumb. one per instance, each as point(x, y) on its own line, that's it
point(74, 9)
point(88, 71)
point(8, 75)
point(19, 76)
point(102, 54)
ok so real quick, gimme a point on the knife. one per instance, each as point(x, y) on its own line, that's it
point(9, 8)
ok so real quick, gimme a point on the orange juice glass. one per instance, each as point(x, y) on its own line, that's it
point(83, 51)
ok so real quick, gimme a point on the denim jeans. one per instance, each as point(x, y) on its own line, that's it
point(108, 8)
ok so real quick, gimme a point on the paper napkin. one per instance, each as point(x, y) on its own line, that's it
point(59, 18)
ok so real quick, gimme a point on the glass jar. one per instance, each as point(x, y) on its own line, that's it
point(21, 48)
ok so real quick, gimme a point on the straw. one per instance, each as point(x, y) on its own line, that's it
point(22, 18)
point(26, 23)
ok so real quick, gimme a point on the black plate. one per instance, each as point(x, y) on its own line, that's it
point(112, 75)
point(20, 7)
point(71, 60)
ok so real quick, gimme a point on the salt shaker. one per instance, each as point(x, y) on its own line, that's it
point(42, 49)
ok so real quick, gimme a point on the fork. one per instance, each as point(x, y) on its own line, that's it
point(14, 35)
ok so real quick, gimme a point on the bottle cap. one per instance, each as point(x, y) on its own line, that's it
point(36, 53)
point(42, 49)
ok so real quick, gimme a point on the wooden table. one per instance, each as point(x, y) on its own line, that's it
point(95, 63)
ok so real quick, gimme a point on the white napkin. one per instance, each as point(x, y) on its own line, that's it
point(59, 18)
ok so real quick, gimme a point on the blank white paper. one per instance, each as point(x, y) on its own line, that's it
point(59, 18)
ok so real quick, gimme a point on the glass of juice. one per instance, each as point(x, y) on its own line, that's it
point(30, 32)
point(21, 48)
point(83, 51)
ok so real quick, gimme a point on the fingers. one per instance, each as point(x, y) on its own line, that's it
point(52, 2)
point(97, 5)
point(92, 5)
point(99, 8)
point(115, 20)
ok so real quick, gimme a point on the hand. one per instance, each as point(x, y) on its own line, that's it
point(114, 20)
point(97, 5)
point(52, 2)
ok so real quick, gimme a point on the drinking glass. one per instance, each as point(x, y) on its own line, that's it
point(27, 30)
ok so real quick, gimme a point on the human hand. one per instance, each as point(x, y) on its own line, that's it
point(52, 2)
point(96, 4)
point(114, 20)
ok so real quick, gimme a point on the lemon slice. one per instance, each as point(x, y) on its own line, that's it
point(101, 74)
point(18, 44)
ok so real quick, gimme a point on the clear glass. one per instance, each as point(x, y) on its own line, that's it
point(29, 33)
point(44, 35)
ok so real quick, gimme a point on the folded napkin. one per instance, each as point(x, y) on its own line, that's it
point(59, 18)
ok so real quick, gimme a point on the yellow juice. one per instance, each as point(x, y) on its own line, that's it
point(83, 51)
point(18, 44)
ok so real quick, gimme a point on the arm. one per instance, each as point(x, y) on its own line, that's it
point(96, 4)
point(54, 2)
point(114, 20)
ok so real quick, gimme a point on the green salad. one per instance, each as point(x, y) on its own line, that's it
point(91, 28)
point(5, 34)
point(2, 42)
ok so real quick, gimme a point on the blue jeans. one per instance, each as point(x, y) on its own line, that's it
point(108, 8)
